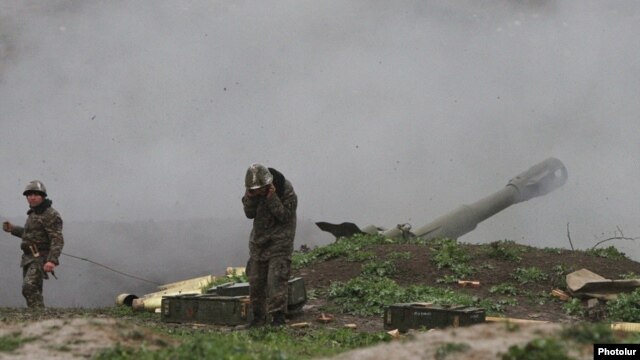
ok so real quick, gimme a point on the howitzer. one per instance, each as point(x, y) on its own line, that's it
point(539, 180)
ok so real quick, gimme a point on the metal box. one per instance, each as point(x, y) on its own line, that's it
point(419, 315)
point(208, 309)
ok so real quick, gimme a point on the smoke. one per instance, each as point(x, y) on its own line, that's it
point(378, 112)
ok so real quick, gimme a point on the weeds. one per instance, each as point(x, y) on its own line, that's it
point(263, 343)
point(504, 289)
point(574, 307)
point(559, 276)
point(529, 275)
point(625, 308)
point(504, 250)
point(379, 268)
point(400, 255)
point(446, 253)
point(13, 341)
point(586, 333)
point(497, 306)
point(553, 250)
point(629, 276)
point(540, 298)
point(368, 296)
point(345, 247)
point(537, 349)
point(446, 349)
point(607, 253)
point(232, 278)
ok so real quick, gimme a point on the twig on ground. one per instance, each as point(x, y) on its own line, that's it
point(569, 236)
point(616, 237)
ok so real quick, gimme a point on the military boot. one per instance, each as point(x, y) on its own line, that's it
point(278, 319)
point(258, 320)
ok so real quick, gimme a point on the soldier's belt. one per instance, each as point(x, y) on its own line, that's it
point(26, 247)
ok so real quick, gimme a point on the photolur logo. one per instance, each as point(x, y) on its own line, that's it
point(611, 351)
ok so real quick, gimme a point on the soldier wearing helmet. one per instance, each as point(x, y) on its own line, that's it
point(271, 202)
point(42, 242)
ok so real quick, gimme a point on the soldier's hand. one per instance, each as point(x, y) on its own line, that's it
point(7, 226)
point(49, 266)
point(251, 193)
point(270, 190)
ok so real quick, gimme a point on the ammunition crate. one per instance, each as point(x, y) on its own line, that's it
point(296, 299)
point(206, 309)
point(416, 315)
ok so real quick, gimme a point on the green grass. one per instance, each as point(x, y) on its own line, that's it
point(607, 253)
point(529, 275)
point(13, 341)
point(538, 349)
point(506, 250)
point(349, 248)
point(379, 268)
point(504, 289)
point(447, 349)
point(574, 307)
point(368, 296)
point(448, 254)
point(625, 308)
point(262, 343)
point(232, 278)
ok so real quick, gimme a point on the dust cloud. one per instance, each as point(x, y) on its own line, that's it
point(141, 118)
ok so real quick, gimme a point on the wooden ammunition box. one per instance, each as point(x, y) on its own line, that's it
point(296, 299)
point(206, 309)
point(417, 315)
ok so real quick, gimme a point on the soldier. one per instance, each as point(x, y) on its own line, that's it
point(271, 202)
point(42, 242)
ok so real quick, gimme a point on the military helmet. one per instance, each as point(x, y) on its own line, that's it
point(257, 176)
point(35, 186)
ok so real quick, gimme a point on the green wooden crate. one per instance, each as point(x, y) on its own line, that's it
point(418, 315)
point(296, 299)
point(206, 309)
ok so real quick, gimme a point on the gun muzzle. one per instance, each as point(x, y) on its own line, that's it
point(539, 180)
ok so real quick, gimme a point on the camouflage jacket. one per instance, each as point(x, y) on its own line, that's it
point(42, 229)
point(274, 220)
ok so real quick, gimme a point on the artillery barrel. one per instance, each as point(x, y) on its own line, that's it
point(539, 180)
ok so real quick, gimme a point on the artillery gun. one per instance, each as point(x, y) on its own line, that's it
point(538, 180)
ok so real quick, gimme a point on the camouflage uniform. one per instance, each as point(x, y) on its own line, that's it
point(271, 245)
point(44, 230)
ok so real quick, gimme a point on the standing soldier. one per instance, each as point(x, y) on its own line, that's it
point(271, 202)
point(42, 242)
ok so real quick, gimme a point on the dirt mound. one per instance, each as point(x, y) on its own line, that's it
point(495, 265)
point(75, 338)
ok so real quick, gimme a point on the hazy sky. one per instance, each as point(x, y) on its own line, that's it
point(378, 112)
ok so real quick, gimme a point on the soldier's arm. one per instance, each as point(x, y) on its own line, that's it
point(283, 209)
point(250, 205)
point(53, 227)
point(17, 231)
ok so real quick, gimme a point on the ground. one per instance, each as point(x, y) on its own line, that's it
point(69, 333)
point(420, 269)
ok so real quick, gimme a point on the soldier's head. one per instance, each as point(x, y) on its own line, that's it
point(257, 179)
point(35, 192)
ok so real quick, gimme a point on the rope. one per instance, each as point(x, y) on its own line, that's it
point(112, 269)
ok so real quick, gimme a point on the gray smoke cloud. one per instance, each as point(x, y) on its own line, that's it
point(141, 118)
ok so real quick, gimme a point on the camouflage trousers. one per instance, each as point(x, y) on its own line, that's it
point(32, 279)
point(268, 284)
